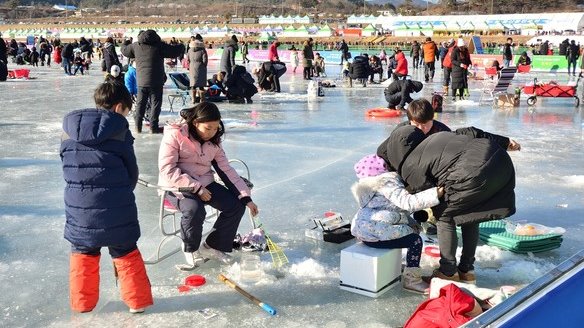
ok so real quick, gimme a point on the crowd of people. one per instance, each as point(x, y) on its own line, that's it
point(418, 166)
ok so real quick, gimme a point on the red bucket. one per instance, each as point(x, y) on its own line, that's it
point(19, 73)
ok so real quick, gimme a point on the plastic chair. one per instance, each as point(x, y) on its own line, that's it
point(490, 72)
point(182, 84)
point(524, 71)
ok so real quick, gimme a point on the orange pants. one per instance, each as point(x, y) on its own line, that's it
point(84, 281)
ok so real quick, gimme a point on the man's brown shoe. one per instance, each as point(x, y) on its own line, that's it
point(468, 277)
point(438, 274)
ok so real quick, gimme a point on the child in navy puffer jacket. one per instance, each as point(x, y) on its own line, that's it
point(100, 171)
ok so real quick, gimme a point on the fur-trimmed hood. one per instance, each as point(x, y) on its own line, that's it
point(365, 188)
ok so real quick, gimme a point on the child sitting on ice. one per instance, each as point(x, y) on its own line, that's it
point(383, 219)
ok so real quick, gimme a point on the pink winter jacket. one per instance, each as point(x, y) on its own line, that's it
point(185, 162)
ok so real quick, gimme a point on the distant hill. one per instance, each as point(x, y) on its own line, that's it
point(397, 3)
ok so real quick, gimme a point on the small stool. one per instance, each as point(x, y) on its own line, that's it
point(370, 271)
point(172, 97)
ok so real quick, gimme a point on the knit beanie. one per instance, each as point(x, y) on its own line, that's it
point(370, 166)
point(115, 70)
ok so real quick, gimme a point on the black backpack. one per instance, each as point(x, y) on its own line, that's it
point(437, 100)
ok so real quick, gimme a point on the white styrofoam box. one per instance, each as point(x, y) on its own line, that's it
point(370, 271)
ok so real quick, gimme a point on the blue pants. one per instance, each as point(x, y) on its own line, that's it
point(115, 251)
point(413, 242)
point(572, 63)
point(78, 68)
point(193, 211)
point(67, 66)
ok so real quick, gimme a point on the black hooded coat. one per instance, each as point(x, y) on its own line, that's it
point(473, 166)
point(360, 68)
point(150, 52)
point(398, 92)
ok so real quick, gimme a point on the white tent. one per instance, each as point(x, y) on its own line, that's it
point(547, 21)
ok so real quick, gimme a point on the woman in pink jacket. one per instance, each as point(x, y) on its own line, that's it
point(189, 154)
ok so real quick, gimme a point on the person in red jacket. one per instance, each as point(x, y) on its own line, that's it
point(401, 70)
point(447, 66)
point(273, 52)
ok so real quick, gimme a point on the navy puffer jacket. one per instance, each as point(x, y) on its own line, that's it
point(100, 170)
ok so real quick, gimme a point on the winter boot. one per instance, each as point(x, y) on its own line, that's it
point(135, 286)
point(194, 96)
point(83, 282)
point(192, 259)
point(445, 90)
point(412, 281)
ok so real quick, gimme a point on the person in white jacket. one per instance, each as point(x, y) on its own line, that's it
point(383, 219)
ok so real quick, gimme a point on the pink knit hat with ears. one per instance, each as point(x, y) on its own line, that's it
point(370, 166)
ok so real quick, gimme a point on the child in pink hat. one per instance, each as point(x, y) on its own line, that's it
point(383, 219)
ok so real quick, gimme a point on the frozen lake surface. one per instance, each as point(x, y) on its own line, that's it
point(301, 154)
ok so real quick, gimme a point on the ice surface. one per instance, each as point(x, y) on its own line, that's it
point(301, 153)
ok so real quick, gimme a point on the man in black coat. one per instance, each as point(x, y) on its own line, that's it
point(3, 50)
point(478, 179)
point(344, 48)
point(67, 56)
point(3, 60)
point(240, 88)
point(508, 52)
point(269, 75)
point(149, 53)
point(572, 55)
point(398, 92)
point(360, 69)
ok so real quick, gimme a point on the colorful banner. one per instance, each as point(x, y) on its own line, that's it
point(481, 61)
point(549, 63)
point(538, 63)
